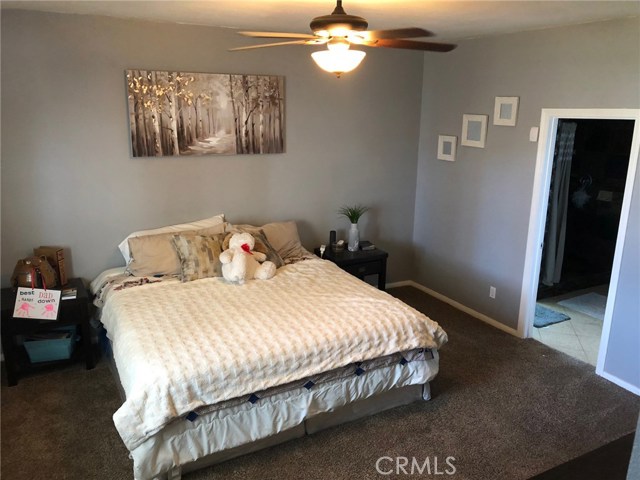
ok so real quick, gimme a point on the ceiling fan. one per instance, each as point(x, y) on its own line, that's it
point(339, 31)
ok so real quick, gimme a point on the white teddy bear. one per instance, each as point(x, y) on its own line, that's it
point(240, 263)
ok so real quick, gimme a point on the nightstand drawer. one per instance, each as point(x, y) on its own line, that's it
point(361, 263)
point(362, 269)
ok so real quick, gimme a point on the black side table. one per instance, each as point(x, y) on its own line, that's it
point(75, 311)
point(360, 263)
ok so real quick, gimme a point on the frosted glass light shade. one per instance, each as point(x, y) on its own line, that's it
point(338, 61)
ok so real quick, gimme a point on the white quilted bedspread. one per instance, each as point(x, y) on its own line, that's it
point(180, 346)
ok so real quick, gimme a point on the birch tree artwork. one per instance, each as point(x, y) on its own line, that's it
point(180, 113)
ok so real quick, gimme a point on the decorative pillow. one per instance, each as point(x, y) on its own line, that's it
point(262, 244)
point(199, 255)
point(156, 254)
point(182, 227)
point(283, 237)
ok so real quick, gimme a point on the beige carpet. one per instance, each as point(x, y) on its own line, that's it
point(503, 407)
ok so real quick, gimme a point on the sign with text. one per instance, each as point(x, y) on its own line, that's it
point(37, 303)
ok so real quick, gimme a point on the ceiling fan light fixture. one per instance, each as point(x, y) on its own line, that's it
point(338, 58)
point(338, 61)
point(339, 30)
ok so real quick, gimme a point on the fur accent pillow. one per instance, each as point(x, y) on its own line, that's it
point(199, 255)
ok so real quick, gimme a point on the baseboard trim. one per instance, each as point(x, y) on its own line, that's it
point(494, 323)
point(480, 316)
point(618, 381)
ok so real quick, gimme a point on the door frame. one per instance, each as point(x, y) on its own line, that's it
point(537, 219)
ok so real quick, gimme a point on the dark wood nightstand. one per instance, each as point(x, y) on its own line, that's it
point(360, 263)
point(75, 311)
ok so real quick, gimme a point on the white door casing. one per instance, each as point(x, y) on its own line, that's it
point(541, 184)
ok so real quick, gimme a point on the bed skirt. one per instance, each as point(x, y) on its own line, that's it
point(350, 412)
point(186, 445)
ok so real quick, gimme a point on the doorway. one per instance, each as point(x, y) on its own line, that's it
point(549, 121)
point(588, 177)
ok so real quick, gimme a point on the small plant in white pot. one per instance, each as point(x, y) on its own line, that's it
point(353, 213)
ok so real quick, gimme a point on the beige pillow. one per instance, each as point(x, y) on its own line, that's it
point(199, 255)
point(261, 245)
point(183, 227)
point(156, 254)
point(231, 228)
point(283, 237)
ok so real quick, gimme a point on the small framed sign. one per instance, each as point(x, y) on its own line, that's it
point(37, 303)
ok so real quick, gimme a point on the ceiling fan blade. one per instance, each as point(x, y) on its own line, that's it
point(277, 44)
point(394, 33)
point(277, 35)
point(412, 45)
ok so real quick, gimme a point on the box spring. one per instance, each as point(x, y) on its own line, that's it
point(184, 446)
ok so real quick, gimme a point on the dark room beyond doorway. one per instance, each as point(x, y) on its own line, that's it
point(593, 203)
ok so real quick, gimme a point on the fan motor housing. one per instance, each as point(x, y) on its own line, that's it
point(338, 21)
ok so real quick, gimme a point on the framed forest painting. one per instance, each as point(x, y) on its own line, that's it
point(181, 113)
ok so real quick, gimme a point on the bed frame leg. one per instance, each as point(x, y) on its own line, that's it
point(175, 473)
point(426, 391)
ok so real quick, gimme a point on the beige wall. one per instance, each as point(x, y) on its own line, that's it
point(68, 177)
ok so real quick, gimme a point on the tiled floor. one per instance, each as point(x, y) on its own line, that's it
point(579, 336)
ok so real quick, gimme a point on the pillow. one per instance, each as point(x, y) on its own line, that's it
point(199, 255)
point(283, 237)
point(183, 227)
point(156, 254)
point(261, 245)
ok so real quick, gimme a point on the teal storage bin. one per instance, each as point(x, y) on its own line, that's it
point(47, 347)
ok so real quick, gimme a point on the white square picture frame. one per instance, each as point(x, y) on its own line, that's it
point(505, 111)
point(474, 130)
point(447, 147)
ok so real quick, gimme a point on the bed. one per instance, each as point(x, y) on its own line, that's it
point(210, 370)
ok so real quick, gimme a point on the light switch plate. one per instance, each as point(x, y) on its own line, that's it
point(533, 134)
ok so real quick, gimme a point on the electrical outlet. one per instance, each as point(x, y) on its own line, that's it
point(492, 292)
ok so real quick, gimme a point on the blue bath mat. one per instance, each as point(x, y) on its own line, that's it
point(545, 317)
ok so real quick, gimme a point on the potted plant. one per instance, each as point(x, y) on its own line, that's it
point(353, 213)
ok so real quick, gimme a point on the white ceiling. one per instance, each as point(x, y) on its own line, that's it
point(449, 20)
